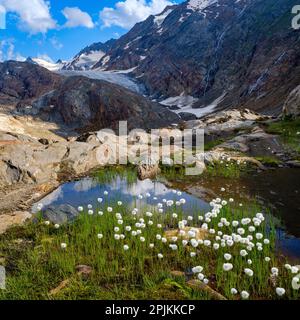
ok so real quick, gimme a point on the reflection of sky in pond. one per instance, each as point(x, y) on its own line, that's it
point(87, 190)
point(288, 245)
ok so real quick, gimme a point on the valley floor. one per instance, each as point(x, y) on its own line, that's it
point(99, 256)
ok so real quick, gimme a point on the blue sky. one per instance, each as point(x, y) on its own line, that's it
point(59, 29)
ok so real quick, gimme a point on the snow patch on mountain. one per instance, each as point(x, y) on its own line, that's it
point(185, 104)
point(51, 66)
point(179, 101)
point(105, 60)
point(86, 60)
point(159, 19)
point(199, 5)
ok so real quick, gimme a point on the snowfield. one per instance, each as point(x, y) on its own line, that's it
point(119, 77)
point(51, 66)
point(185, 104)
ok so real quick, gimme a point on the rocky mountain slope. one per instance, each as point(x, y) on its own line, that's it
point(243, 52)
point(76, 102)
point(88, 104)
point(21, 81)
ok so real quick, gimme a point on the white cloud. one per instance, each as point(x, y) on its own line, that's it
point(77, 18)
point(7, 51)
point(34, 15)
point(127, 13)
point(56, 44)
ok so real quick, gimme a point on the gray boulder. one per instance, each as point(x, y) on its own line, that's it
point(60, 214)
point(292, 104)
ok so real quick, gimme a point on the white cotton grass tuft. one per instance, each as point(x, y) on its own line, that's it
point(294, 269)
point(197, 269)
point(227, 256)
point(200, 276)
point(233, 291)
point(243, 253)
point(274, 271)
point(248, 272)
point(227, 266)
point(245, 295)
point(280, 291)
point(63, 245)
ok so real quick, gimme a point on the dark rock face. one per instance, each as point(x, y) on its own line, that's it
point(22, 81)
point(90, 105)
point(246, 49)
point(186, 116)
point(60, 214)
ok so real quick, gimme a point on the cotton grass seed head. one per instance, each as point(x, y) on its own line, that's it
point(248, 272)
point(274, 271)
point(227, 266)
point(63, 245)
point(200, 276)
point(227, 256)
point(244, 295)
point(280, 291)
point(197, 269)
point(294, 269)
point(233, 291)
